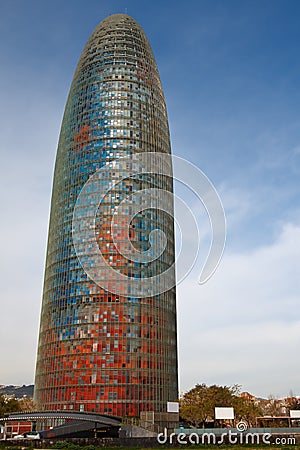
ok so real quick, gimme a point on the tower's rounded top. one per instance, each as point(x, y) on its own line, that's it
point(119, 16)
point(118, 39)
point(118, 19)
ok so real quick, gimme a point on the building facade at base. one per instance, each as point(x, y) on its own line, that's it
point(100, 350)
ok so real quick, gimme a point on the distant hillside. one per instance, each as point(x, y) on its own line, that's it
point(17, 391)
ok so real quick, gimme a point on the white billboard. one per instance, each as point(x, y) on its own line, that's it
point(224, 413)
point(173, 407)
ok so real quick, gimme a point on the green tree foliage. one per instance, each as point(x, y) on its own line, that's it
point(198, 405)
point(273, 406)
point(292, 403)
point(247, 409)
point(8, 405)
point(27, 404)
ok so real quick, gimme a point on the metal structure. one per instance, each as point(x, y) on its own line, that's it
point(34, 416)
point(59, 424)
point(98, 350)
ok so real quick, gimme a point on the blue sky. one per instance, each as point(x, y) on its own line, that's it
point(230, 72)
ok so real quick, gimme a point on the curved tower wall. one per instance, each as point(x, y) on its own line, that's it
point(100, 351)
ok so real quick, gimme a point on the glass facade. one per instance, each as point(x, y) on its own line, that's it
point(100, 350)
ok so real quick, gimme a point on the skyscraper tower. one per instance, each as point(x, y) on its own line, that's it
point(104, 348)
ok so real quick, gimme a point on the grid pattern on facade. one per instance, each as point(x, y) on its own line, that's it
point(99, 351)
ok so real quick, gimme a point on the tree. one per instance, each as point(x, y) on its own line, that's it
point(198, 405)
point(247, 409)
point(27, 404)
point(273, 407)
point(193, 406)
point(292, 403)
point(8, 405)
